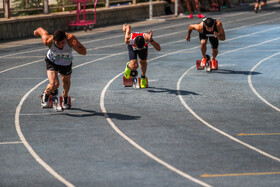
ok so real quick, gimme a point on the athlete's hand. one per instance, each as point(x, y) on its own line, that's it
point(124, 28)
point(216, 34)
point(36, 33)
point(150, 35)
point(188, 38)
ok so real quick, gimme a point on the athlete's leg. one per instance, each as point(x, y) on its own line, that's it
point(66, 83)
point(197, 5)
point(143, 66)
point(188, 5)
point(133, 64)
point(214, 44)
point(53, 81)
point(203, 47)
point(257, 6)
point(143, 56)
point(263, 3)
point(214, 53)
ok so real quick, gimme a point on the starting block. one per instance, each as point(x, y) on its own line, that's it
point(133, 82)
point(208, 65)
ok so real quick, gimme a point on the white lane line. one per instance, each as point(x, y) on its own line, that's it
point(30, 149)
point(27, 145)
point(252, 87)
point(20, 66)
point(137, 146)
point(9, 143)
point(101, 47)
point(236, 28)
point(211, 126)
point(91, 41)
point(102, 105)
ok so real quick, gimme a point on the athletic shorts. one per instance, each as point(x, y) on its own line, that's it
point(143, 53)
point(214, 41)
point(63, 70)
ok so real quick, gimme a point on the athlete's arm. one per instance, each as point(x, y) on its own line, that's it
point(77, 46)
point(126, 29)
point(197, 27)
point(221, 33)
point(47, 39)
point(149, 38)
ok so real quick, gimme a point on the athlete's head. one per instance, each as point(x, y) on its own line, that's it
point(139, 41)
point(59, 38)
point(209, 24)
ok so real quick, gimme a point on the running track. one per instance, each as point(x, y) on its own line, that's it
point(189, 128)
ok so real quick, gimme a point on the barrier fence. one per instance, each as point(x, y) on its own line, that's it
point(8, 8)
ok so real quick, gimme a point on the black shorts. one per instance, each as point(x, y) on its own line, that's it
point(63, 70)
point(143, 53)
point(213, 40)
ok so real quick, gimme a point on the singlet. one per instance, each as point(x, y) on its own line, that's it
point(61, 57)
point(209, 34)
point(132, 38)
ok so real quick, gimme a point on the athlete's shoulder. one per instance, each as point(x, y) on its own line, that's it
point(48, 40)
point(71, 39)
point(218, 22)
point(69, 36)
point(197, 27)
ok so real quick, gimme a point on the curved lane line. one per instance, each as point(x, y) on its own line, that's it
point(102, 105)
point(28, 147)
point(23, 139)
point(252, 87)
point(137, 146)
point(15, 67)
point(45, 165)
point(211, 126)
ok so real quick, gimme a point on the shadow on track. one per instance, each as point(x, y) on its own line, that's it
point(89, 113)
point(225, 71)
point(170, 91)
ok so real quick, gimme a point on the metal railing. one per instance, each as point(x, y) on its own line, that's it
point(7, 10)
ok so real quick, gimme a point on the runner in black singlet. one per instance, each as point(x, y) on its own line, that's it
point(212, 29)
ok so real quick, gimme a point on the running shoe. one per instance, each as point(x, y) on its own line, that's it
point(256, 9)
point(203, 62)
point(190, 16)
point(200, 16)
point(127, 71)
point(214, 64)
point(65, 103)
point(143, 82)
point(45, 100)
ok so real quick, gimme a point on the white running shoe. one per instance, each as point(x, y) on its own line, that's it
point(45, 100)
point(65, 103)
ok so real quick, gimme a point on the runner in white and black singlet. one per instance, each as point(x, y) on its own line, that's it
point(59, 60)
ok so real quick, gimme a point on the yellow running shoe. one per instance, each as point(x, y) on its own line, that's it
point(127, 71)
point(143, 82)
